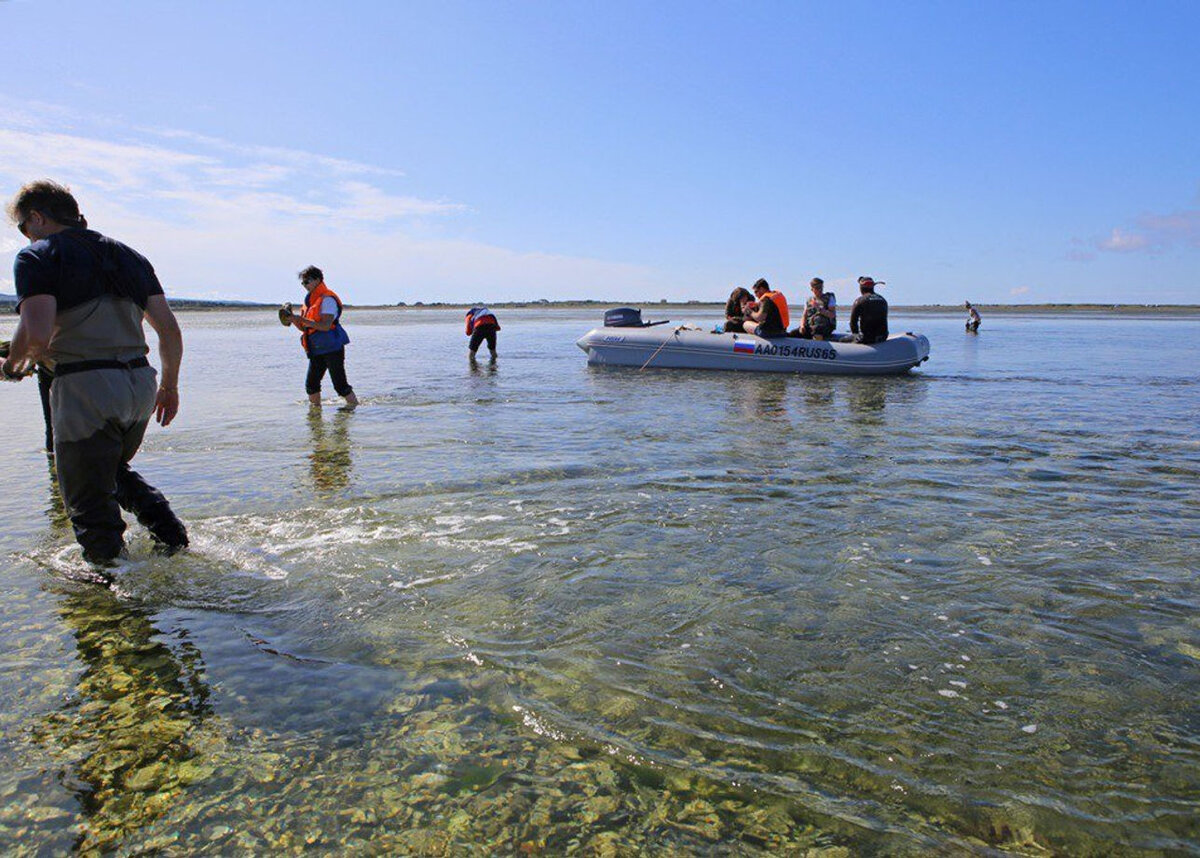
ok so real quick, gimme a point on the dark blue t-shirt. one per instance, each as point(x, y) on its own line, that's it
point(80, 265)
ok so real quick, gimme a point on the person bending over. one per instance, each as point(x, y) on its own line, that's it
point(735, 309)
point(481, 326)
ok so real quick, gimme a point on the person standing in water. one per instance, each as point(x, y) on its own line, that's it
point(82, 299)
point(973, 317)
point(482, 325)
point(322, 336)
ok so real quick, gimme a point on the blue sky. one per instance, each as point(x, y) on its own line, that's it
point(997, 152)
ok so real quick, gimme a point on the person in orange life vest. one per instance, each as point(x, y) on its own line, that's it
point(482, 325)
point(769, 316)
point(322, 337)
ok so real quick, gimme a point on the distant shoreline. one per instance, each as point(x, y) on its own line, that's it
point(649, 310)
point(8, 304)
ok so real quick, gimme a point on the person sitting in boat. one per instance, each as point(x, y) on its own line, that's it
point(820, 313)
point(973, 317)
point(768, 315)
point(868, 315)
point(735, 309)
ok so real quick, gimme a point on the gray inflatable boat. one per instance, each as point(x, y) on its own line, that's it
point(689, 347)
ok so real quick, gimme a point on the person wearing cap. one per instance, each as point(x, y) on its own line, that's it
point(820, 313)
point(868, 315)
point(768, 316)
point(973, 317)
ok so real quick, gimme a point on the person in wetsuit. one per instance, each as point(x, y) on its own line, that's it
point(82, 299)
point(868, 316)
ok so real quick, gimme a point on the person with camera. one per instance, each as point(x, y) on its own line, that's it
point(322, 336)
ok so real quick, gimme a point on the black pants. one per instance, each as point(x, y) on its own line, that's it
point(45, 379)
point(97, 482)
point(335, 362)
point(485, 332)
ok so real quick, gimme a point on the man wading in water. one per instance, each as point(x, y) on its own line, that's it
point(322, 336)
point(82, 299)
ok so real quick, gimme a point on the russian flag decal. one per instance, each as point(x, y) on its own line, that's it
point(743, 348)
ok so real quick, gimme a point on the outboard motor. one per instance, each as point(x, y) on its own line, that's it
point(623, 317)
point(627, 317)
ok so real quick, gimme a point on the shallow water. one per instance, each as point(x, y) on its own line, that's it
point(534, 607)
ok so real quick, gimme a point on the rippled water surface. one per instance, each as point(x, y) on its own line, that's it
point(538, 608)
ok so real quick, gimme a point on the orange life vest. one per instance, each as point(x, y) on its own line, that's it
point(478, 317)
point(312, 308)
point(781, 303)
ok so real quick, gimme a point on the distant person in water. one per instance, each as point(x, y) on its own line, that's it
point(322, 336)
point(820, 313)
point(973, 317)
point(481, 326)
point(868, 316)
point(735, 309)
point(768, 315)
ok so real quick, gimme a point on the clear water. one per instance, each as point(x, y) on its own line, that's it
point(541, 608)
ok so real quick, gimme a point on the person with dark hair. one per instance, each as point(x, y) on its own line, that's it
point(768, 315)
point(82, 299)
point(481, 325)
point(820, 312)
point(868, 315)
point(735, 309)
point(322, 336)
point(973, 318)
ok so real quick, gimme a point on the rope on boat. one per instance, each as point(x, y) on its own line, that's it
point(674, 333)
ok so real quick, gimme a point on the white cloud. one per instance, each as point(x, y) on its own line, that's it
point(221, 218)
point(1154, 233)
point(1019, 290)
point(1124, 242)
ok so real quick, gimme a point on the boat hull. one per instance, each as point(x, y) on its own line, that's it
point(691, 348)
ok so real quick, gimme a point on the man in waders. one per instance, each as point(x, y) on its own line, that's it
point(82, 299)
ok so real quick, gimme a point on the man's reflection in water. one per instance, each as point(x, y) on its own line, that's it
point(56, 511)
point(130, 727)
point(868, 398)
point(479, 368)
point(329, 450)
point(760, 395)
point(819, 392)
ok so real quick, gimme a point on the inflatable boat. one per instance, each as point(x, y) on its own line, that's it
point(658, 346)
